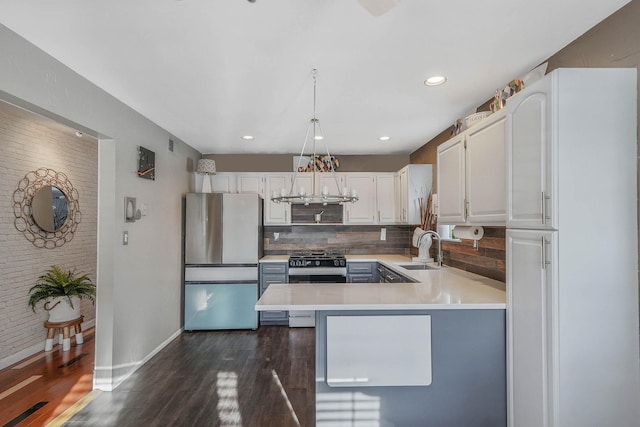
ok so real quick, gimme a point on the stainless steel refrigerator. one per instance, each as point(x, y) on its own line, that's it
point(223, 243)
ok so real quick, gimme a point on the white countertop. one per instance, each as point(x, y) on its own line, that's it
point(275, 258)
point(444, 288)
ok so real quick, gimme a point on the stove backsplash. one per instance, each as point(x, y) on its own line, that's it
point(488, 260)
point(348, 239)
point(305, 214)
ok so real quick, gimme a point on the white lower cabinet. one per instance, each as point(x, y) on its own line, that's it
point(531, 325)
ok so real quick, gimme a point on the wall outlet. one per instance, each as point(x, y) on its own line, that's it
point(383, 234)
point(276, 236)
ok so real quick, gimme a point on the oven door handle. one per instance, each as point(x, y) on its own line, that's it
point(318, 271)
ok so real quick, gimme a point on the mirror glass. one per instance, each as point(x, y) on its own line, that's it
point(49, 208)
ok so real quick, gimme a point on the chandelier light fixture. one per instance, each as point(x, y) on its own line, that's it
point(326, 197)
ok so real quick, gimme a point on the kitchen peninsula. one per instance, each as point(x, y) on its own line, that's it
point(405, 353)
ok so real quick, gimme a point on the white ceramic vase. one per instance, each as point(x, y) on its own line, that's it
point(60, 310)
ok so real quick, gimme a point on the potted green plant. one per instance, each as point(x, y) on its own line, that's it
point(62, 291)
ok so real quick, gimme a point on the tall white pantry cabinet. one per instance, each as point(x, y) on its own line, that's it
point(572, 251)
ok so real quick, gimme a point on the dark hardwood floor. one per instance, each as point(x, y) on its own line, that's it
point(216, 378)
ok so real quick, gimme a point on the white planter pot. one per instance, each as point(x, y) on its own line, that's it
point(60, 310)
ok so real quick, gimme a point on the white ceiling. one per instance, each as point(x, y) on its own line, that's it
point(210, 71)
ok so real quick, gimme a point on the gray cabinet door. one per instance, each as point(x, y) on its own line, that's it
point(271, 273)
point(362, 272)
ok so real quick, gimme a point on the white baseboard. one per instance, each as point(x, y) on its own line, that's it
point(22, 354)
point(36, 348)
point(105, 384)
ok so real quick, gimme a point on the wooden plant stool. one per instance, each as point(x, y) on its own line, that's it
point(65, 335)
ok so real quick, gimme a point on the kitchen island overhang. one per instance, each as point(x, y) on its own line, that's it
point(408, 353)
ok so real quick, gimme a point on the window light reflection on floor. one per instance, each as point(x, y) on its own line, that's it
point(228, 407)
point(274, 374)
point(347, 409)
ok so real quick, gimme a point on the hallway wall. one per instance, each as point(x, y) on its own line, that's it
point(139, 285)
point(29, 142)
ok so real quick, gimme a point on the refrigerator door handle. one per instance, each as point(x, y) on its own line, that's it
point(544, 208)
point(543, 251)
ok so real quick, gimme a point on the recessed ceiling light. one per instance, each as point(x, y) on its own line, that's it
point(248, 137)
point(385, 138)
point(435, 80)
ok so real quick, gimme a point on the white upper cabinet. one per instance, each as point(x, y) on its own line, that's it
point(385, 198)
point(486, 177)
point(472, 175)
point(223, 182)
point(251, 183)
point(530, 194)
point(363, 211)
point(303, 183)
point(451, 181)
point(276, 213)
point(333, 182)
point(413, 186)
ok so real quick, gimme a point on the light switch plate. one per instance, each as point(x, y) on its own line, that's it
point(125, 238)
point(383, 234)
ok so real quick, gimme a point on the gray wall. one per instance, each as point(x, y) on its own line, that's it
point(284, 162)
point(139, 285)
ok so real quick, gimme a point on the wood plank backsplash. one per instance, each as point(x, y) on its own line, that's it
point(350, 239)
point(306, 213)
point(488, 260)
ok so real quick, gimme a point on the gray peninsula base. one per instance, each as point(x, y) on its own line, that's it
point(468, 386)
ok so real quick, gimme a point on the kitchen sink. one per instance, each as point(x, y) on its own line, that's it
point(416, 266)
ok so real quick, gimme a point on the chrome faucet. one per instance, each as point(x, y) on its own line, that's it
point(437, 236)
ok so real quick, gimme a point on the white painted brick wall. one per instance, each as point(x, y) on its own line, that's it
point(28, 142)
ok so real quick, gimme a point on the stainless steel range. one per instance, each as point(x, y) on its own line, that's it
point(318, 268)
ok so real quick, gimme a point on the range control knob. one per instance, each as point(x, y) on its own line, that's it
point(317, 263)
point(343, 263)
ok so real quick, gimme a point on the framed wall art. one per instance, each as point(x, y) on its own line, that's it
point(146, 164)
